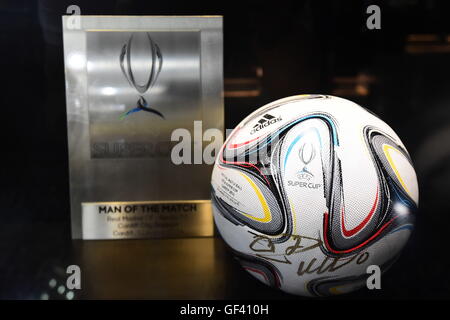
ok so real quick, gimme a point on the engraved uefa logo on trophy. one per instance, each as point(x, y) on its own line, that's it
point(141, 62)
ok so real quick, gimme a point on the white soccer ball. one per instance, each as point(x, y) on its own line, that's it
point(311, 190)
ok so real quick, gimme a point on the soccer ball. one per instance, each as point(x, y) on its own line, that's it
point(313, 194)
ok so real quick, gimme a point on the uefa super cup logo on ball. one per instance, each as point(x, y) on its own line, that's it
point(141, 62)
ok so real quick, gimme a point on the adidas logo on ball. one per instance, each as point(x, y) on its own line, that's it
point(266, 120)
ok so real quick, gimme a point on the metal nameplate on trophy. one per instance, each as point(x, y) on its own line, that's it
point(130, 82)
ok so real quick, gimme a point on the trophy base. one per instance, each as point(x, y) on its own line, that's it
point(146, 219)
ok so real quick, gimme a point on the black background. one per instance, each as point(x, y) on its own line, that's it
point(302, 47)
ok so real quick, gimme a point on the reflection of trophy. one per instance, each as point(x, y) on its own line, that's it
point(151, 64)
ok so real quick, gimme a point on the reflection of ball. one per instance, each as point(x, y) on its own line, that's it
point(310, 190)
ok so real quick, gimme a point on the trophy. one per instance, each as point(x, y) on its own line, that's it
point(131, 82)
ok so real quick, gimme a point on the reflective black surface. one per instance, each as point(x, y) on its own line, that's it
point(271, 51)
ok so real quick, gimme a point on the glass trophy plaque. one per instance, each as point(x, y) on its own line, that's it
point(131, 82)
